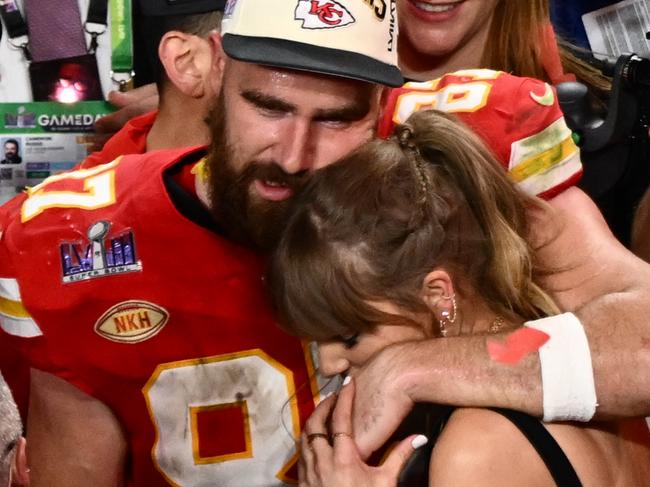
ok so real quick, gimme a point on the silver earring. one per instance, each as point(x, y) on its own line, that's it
point(448, 318)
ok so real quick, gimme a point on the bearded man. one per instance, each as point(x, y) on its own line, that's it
point(155, 356)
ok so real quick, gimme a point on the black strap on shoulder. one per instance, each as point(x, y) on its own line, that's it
point(556, 461)
point(429, 420)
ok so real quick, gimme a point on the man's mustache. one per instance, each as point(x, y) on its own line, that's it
point(271, 171)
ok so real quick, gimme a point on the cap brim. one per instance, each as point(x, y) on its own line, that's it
point(161, 8)
point(283, 53)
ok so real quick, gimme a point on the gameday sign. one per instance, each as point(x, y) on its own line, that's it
point(38, 140)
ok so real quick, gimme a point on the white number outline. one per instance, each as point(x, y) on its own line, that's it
point(99, 192)
point(426, 95)
point(290, 400)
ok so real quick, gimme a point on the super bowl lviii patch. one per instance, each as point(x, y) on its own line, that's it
point(131, 321)
point(100, 255)
point(322, 14)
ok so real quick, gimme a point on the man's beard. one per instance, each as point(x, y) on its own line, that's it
point(256, 223)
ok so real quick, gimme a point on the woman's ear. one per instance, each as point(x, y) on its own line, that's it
point(437, 289)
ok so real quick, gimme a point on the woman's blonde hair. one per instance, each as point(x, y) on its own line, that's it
point(369, 228)
point(517, 44)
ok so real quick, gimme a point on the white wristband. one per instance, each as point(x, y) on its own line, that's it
point(568, 384)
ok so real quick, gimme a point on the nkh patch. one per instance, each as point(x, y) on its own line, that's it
point(322, 14)
point(99, 256)
point(131, 321)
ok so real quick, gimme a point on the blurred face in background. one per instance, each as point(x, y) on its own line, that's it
point(11, 150)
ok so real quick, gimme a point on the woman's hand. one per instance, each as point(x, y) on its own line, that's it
point(339, 464)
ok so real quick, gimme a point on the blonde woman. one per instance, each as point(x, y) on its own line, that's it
point(417, 237)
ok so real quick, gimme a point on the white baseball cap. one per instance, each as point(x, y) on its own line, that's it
point(350, 38)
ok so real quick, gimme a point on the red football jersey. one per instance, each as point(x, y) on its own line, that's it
point(130, 139)
point(161, 319)
point(519, 119)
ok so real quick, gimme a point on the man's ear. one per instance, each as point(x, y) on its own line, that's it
point(436, 290)
point(187, 60)
point(19, 468)
point(218, 62)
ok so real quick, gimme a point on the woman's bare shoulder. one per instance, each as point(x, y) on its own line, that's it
point(481, 447)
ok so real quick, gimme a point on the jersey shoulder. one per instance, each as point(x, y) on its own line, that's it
point(130, 139)
point(105, 188)
point(518, 118)
point(74, 227)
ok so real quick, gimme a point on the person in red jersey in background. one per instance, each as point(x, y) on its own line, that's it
point(178, 46)
point(518, 118)
point(135, 288)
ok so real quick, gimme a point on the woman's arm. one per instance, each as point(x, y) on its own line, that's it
point(604, 284)
point(73, 440)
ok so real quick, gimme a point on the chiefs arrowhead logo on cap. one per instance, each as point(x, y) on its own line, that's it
point(304, 35)
point(322, 14)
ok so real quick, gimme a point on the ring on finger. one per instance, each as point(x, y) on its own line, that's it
point(311, 437)
point(337, 435)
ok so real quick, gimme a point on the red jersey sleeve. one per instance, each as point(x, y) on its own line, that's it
point(519, 118)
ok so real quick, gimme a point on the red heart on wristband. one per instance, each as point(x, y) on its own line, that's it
point(519, 344)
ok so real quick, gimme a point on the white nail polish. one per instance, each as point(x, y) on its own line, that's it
point(418, 441)
point(347, 380)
